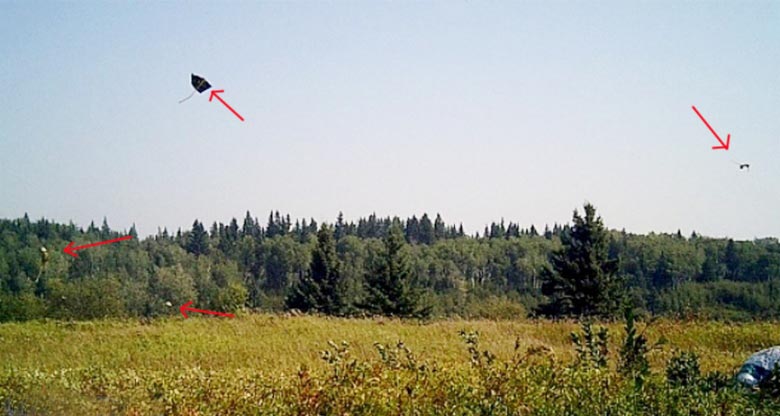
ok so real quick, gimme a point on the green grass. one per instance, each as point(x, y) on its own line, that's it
point(268, 364)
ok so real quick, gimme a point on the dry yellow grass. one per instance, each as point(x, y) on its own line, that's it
point(281, 344)
point(254, 364)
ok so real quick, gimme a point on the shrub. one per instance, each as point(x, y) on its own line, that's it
point(591, 347)
point(494, 307)
point(633, 353)
point(683, 369)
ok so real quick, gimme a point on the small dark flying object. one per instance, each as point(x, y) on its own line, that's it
point(200, 84)
point(744, 166)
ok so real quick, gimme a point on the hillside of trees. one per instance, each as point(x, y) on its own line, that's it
point(412, 267)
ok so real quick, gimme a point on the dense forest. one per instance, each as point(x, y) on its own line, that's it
point(412, 267)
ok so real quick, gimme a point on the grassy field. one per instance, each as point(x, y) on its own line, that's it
point(267, 364)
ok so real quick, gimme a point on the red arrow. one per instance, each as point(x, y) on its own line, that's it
point(215, 93)
point(72, 250)
point(724, 146)
point(186, 307)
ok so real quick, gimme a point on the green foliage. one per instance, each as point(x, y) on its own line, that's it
point(86, 299)
point(583, 280)
point(349, 377)
point(390, 286)
point(21, 307)
point(633, 360)
point(323, 288)
point(479, 358)
point(499, 275)
point(493, 307)
point(683, 369)
point(198, 240)
point(170, 284)
point(592, 347)
point(716, 380)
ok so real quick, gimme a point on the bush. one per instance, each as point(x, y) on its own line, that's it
point(715, 381)
point(85, 299)
point(494, 307)
point(683, 369)
point(633, 354)
point(592, 347)
point(21, 307)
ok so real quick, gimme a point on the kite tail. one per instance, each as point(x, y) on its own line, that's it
point(188, 97)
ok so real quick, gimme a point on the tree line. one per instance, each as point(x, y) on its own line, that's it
point(415, 267)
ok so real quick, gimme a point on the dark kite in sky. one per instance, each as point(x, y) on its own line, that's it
point(200, 84)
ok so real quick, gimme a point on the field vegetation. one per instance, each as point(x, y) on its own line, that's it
point(384, 318)
point(276, 364)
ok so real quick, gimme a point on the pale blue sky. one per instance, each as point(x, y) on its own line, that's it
point(477, 110)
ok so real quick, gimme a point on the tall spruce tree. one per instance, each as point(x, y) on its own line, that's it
point(198, 239)
point(412, 230)
point(250, 227)
point(390, 285)
point(340, 230)
point(272, 228)
point(439, 228)
point(322, 289)
point(427, 235)
point(105, 230)
point(583, 280)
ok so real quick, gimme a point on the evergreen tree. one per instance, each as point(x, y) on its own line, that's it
point(105, 230)
point(231, 231)
point(272, 228)
point(340, 230)
point(390, 285)
point(92, 229)
point(250, 227)
point(299, 231)
point(427, 235)
point(322, 289)
point(372, 227)
point(362, 228)
point(198, 240)
point(439, 229)
point(412, 230)
point(583, 280)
